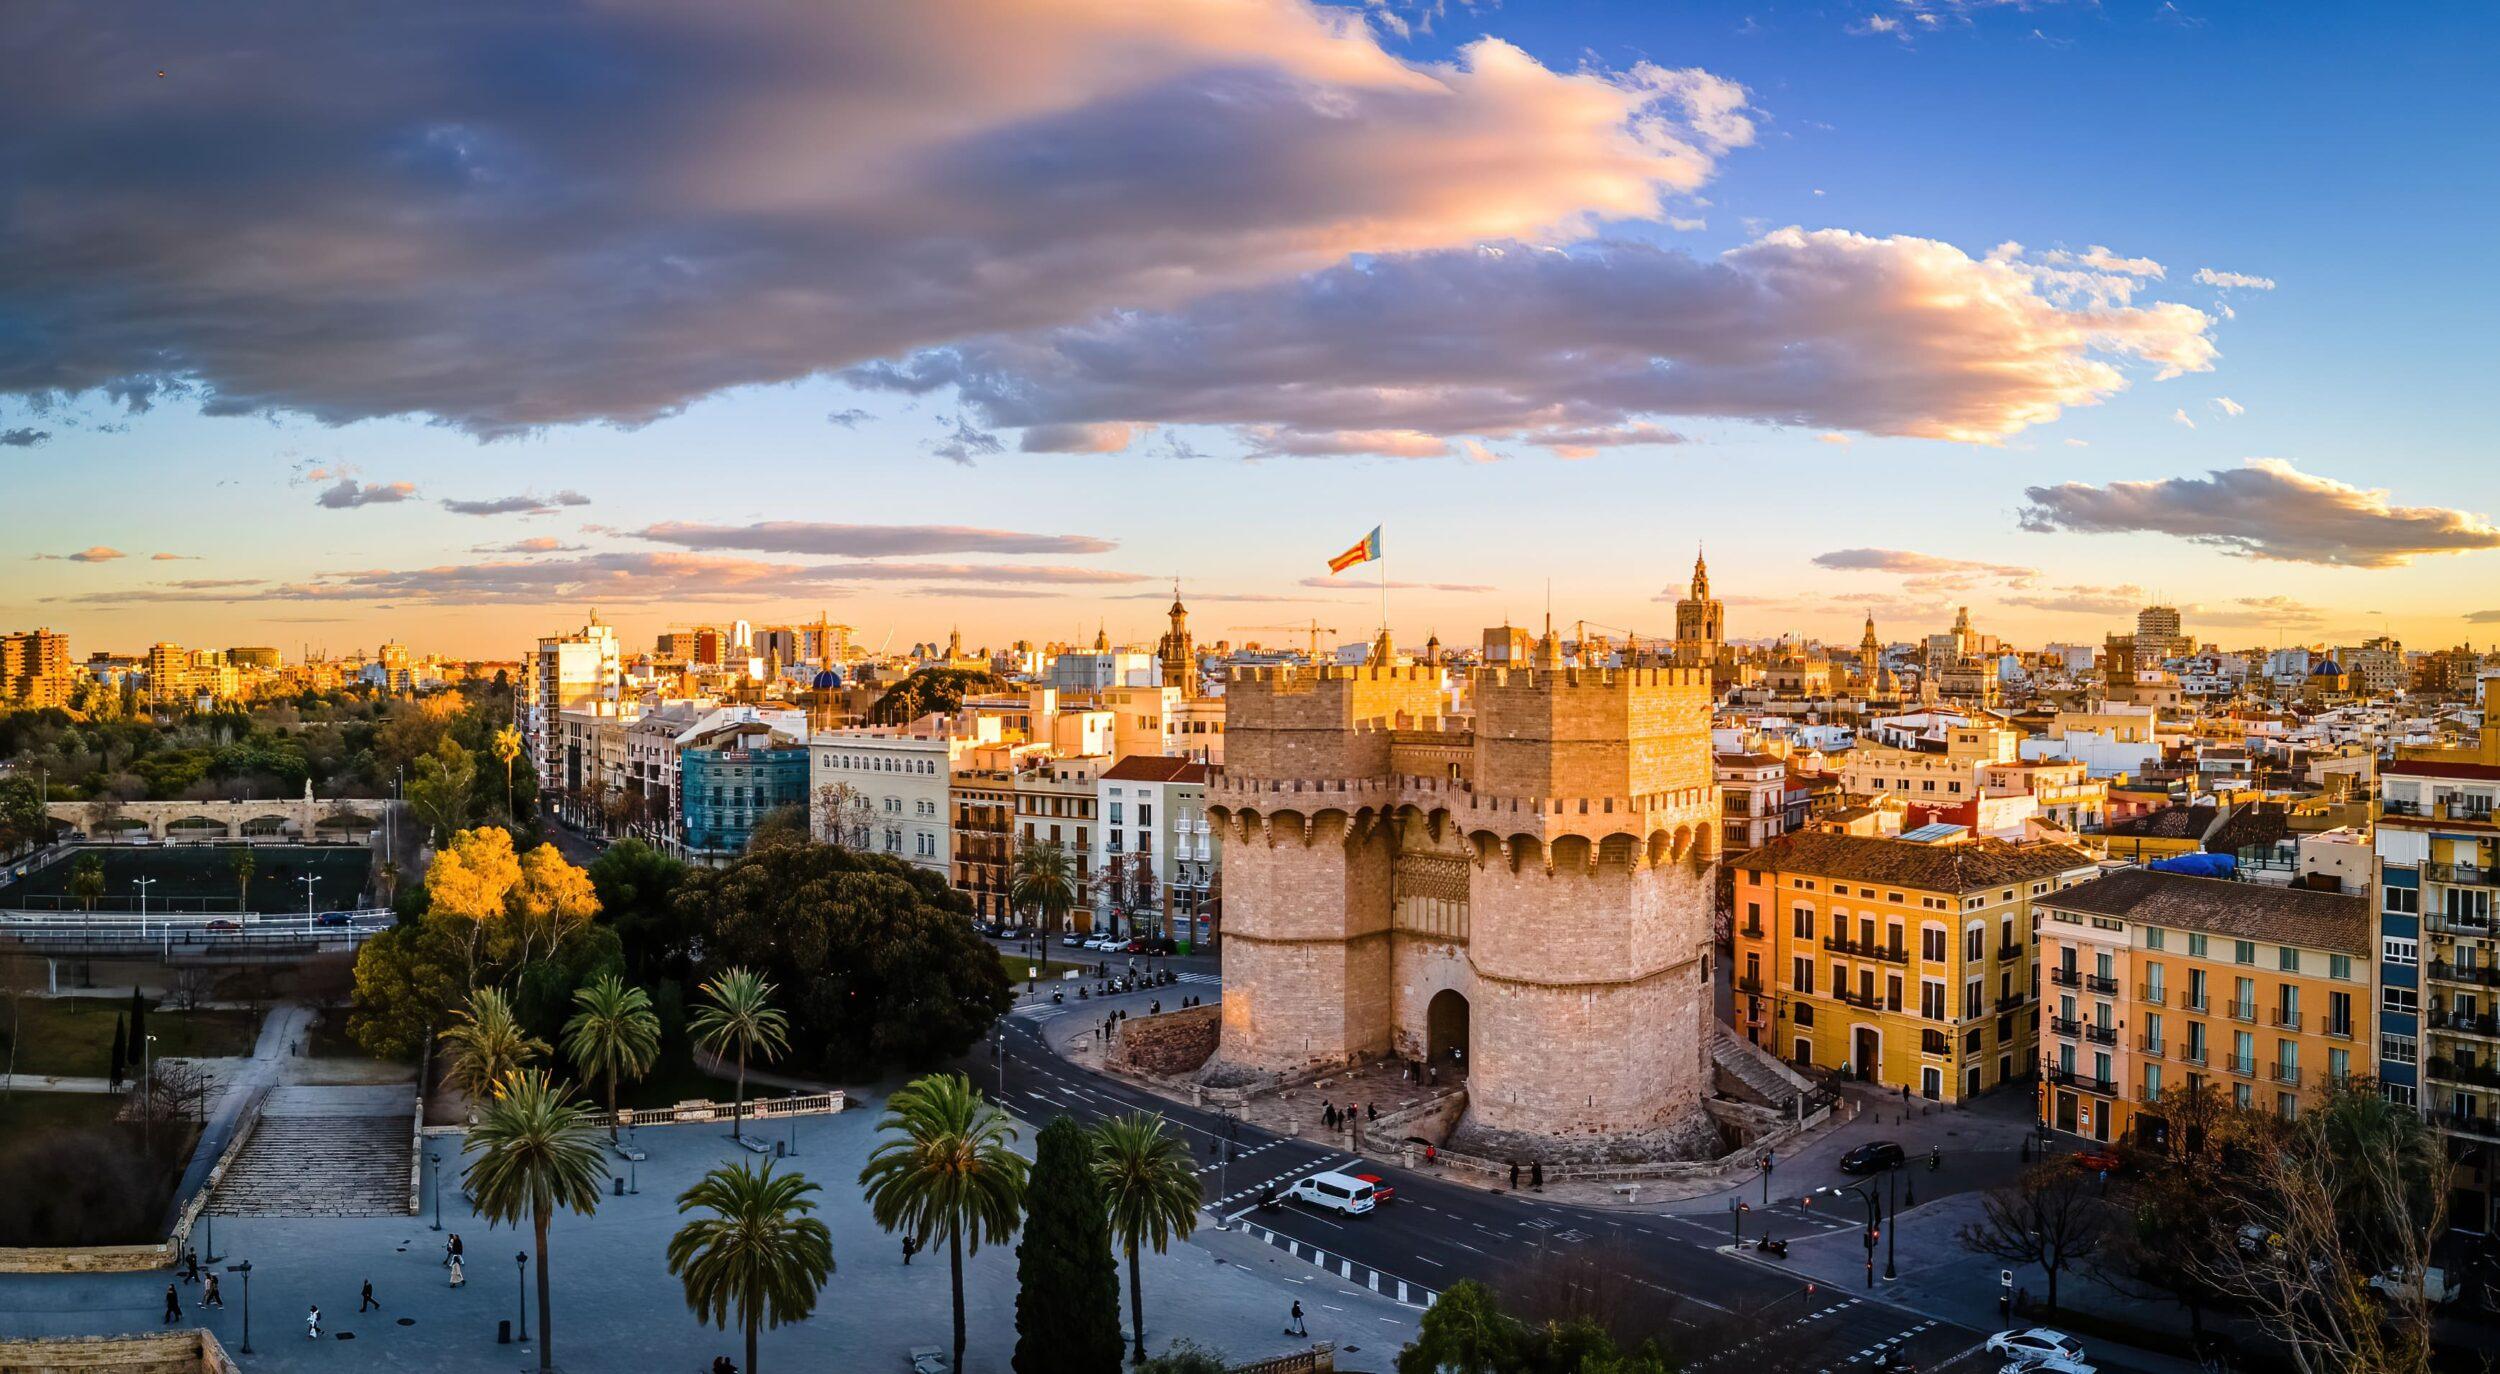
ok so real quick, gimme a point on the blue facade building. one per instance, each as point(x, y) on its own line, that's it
point(730, 778)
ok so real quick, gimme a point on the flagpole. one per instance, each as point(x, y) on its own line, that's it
point(1383, 561)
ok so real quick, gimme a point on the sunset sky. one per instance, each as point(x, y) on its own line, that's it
point(445, 323)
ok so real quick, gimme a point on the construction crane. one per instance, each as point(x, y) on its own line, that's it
point(1314, 629)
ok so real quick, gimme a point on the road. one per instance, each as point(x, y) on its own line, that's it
point(1437, 1232)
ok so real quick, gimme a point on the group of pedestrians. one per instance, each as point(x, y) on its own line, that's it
point(210, 1296)
point(1536, 1175)
point(1338, 1117)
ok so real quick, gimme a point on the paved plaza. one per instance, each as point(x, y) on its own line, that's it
point(617, 1308)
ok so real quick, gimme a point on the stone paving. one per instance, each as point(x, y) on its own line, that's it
point(618, 1309)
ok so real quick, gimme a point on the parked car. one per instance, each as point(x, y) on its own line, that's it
point(1872, 1157)
point(2398, 1286)
point(1382, 1193)
point(331, 918)
point(2048, 1366)
point(2034, 1349)
point(1072, 940)
point(927, 1359)
point(1333, 1192)
point(2098, 1160)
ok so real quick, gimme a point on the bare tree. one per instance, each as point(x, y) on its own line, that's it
point(2178, 1198)
point(191, 985)
point(2353, 1190)
point(842, 815)
point(2052, 1216)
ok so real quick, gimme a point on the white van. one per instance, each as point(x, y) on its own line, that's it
point(1336, 1192)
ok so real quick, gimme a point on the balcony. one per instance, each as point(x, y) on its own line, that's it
point(2282, 1018)
point(2193, 1054)
point(2065, 1025)
point(2194, 1001)
point(2101, 1035)
point(2066, 977)
point(2463, 875)
point(2243, 1065)
point(2107, 987)
point(2449, 1070)
point(2148, 1096)
point(2336, 1030)
point(2010, 952)
point(2286, 1074)
point(2483, 1124)
point(2485, 975)
point(1842, 944)
point(2472, 924)
point(2241, 1011)
point(1749, 983)
point(2152, 996)
point(1871, 1001)
point(2393, 807)
point(2147, 1045)
point(1751, 932)
point(2456, 1022)
point(2074, 1079)
point(2015, 1002)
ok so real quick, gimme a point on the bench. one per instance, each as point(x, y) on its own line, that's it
point(1630, 1192)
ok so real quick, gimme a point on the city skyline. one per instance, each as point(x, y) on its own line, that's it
point(2148, 332)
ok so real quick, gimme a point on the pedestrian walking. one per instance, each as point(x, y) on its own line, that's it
point(368, 1302)
point(911, 1247)
point(1328, 1114)
point(210, 1297)
point(1514, 1175)
point(312, 1325)
point(1371, 1112)
point(190, 1265)
point(1905, 1095)
point(1536, 1175)
point(456, 1251)
point(1297, 1329)
point(459, 1274)
point(173, 1305)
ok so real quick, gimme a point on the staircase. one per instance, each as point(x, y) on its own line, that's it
point(324, 1153)
point(1751, 1074)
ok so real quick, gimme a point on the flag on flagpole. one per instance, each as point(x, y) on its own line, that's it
point(1363, 552)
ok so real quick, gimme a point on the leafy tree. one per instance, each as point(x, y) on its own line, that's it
point(508, 908)
point(759, 1253)
point(121, 1052)
point(1067, 1285)
point(1043, 880)
point(536, 1150)
point(2177, 1199)
point(86, 879)
point(637, 890)
point(738, 1017)
point(930, 689)
point(2053, 1216)
point(138, 1028)
point(1464, 1332)
point(1150, 1184)
point(440, 790)
point(407, 978)
point(23, 817)
point(488, 1046)
point(1186, 1356)
point(946, 1168)
point(878, 956)
point(245, 862)
point(614, 1034)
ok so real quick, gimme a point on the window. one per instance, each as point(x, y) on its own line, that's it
point(2403, 901)
point(2152, 937)
point(1145, 814)
point(2402, 1001)
point(2339, 967)
point(1801, 975)
point(2243, 951)
point(2196, 945)
point(2338, 1065)
point(1934, 1042)
point(2288, 959)
point(1115, 812)
point(2402, 951)
point(1805, 1014)
point(1931, 999)
point(1802, 923)
point(2398, 1049)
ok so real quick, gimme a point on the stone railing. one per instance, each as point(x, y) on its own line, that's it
point(1321, 1358)
point(757, 1108)
point(1743, 1157)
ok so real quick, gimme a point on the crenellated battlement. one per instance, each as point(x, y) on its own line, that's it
point(1286, 677)
point(1590, 679)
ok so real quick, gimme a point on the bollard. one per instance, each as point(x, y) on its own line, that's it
point(619, 1181)
point(503, 1332)
point(781, 1149)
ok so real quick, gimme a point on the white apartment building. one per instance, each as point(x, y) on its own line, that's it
point(564, 673)
point(883, 789)
point(1154, 834)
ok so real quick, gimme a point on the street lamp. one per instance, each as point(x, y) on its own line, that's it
point(147, 1087)
point(1874, 1219)
point(521, 1291)
point(1892, 1233)
point(794, 1119)
point(245, 1269)
point(309, 882)
point(436, 1155)
point(143, 884)
point(1736, 1211)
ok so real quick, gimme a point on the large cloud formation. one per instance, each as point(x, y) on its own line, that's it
point(2265, 509)
point(864, 541)
point(1576, 348)
point(506, 215)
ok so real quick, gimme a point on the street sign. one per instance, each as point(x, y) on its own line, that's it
point(2005, 1278)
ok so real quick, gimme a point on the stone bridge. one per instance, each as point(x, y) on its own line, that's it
point(304, 818)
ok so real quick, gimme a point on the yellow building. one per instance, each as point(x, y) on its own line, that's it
point(1946, 776)
point(1900, 961)
point(2151, 981)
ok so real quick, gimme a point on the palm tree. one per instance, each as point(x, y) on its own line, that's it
point(86, 879)
point(946, 1169)
point(1150, 1187)
point(615, 1034)
point(758, 1252)
point(1044, 881)
point(507, 748)
point(246, 863)
point(489, 1045)
point(740, 1016)
point(536, 1151)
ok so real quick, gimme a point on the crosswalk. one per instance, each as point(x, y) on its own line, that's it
point(1389, 1286)
point(1268, 1186)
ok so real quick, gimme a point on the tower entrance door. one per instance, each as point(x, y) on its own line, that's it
point(1445, 1029)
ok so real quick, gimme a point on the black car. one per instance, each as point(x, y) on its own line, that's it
point(1872, 1157)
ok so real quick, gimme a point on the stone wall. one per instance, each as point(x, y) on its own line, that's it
point(174, 1352)
point(1166, 1046)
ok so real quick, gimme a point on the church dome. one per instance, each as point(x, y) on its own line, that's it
point(827, 680)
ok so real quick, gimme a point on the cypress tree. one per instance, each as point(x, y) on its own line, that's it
point(138, 1024)
point(1067, 1284)
point(121, 1052)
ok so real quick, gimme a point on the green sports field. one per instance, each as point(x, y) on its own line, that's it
point(200, 877)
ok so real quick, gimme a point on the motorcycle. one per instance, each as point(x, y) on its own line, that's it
point(1775, 1248)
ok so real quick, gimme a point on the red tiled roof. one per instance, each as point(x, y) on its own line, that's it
point(1156, 768)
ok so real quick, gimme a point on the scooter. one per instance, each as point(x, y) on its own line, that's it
point(1772, 1246)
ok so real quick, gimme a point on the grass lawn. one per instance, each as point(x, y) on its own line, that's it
point(1052, 969)
point(675, 1079)
point(30, 1114)
point(330, 1039)
point(74, 1035)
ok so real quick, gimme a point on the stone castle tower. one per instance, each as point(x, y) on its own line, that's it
point(1528, 885)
